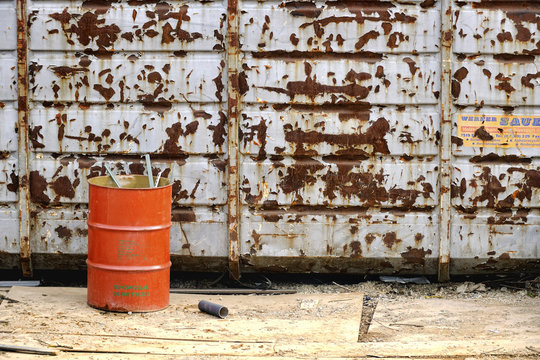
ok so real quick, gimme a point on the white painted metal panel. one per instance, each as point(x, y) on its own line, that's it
point(8, 126)
point(496, 240)
point(8, 83)
point(165, 26)
point(372, 234)
point(128, 78)
point(201, 232)
point(9, 174)
point(205, 234)
point(336, 182)
point(9, 180)
point(9, 236)
point(507, 30)
point(414, 131)
point(330, 27)
point(8, 26)
point(391, 80)
point(65, 180)
point(129, 129)
point(503, 81)
point(496, 185)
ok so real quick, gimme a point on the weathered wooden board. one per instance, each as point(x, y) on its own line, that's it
point(62, 313)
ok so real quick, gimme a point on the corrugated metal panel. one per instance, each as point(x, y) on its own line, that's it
point(339, 182)
point(346, 240)
point(338, 27)
point(389, 79)
point(63, 180)
point(339, 137)
point(9, 174)
point(110, 81)
point(495, 189)
point(344, 130)
point(127, 26)
point(129, 129)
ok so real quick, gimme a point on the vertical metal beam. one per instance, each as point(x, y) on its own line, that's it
point(23, 150)
point(445, 149)
point(233, 103)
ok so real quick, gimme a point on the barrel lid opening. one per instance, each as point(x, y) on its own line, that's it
point(127, 181)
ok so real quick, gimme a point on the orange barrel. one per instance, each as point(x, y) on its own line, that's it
point(128, 244)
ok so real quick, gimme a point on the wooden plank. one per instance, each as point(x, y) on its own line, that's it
point(300, 317)
point(434, 319)
point(283, 349)
point(267, 326)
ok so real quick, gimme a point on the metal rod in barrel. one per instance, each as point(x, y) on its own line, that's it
point(112, 175)
point(149, 171)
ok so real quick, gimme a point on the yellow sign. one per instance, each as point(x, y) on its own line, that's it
point(499, 130)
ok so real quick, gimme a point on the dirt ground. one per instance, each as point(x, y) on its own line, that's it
point(491, 317)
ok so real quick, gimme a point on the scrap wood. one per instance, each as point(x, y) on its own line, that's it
point(8, 299)
point(141, 337)
point(232, 291)
point(343, 287)
point(26, 350)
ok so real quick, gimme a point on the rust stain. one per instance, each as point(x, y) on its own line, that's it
point(66, 71)
point(219, 130)
point(311, 88)
point(415, 256)
point(63, 232)
point(363, 40)
point(495, 158)
point(526, 80)
point(300, 8)
point(356, 249)
point(374, 135)
point(38, 188)
point(395, 39)
point(504, 84)
point(34, 135)
point(482, 134)
point(504, 36)
point(62, 186)
point(185, 214)
point(87, 28)
point(491, 188)
point(509, 218)
point(107, 93)
point(256, 246)
point(300, 175)
point(369, 238)
point(258, 131)
point(390, 239)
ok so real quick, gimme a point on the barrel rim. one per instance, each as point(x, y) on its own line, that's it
point(127, 228)
point(119, 177)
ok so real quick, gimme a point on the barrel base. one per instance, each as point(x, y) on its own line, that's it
point(128, 291)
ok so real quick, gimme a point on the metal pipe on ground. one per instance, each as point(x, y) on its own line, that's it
point(213, 309)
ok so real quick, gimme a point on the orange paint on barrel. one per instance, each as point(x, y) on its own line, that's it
point(128, 244)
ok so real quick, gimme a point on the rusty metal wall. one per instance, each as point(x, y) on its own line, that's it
point(495, 189)
point(302, 136)
point(110, 81)
point(339, 136)
point(9, 181)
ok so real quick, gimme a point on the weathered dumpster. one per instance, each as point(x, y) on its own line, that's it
point(305, 136)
